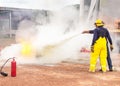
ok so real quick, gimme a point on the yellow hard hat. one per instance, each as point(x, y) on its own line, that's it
point(99, 22)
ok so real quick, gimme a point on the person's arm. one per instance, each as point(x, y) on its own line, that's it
point(88, 31)
point(110, 40)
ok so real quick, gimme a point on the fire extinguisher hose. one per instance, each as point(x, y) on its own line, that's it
point(3, 73)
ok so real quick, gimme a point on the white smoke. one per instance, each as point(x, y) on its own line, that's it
point(56, 40)
point(110, 15)
point(108, 8)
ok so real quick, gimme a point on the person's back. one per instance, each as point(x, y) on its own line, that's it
point(99, 48)
point(102, 32)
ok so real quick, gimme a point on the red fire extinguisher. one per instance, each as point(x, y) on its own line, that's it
point(13, 68)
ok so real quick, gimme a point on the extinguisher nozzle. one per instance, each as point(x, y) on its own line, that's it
point(3, 73)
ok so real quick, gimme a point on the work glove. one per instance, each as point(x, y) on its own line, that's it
point(111, 47)
point(92, 49)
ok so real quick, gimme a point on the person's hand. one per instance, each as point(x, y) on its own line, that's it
point(85, 32)
point(92, 49)
point(111, 47)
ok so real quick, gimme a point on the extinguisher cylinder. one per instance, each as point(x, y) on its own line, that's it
point(13, 68)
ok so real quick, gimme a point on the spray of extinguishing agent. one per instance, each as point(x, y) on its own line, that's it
point(13, 68)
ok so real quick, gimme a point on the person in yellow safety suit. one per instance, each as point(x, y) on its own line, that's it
point(99, 46)
point(109, 61)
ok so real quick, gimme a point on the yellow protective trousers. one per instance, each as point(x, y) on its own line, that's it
point(100, 50)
